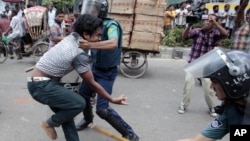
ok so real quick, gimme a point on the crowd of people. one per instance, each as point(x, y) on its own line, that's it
point(175, 15)
point(93, 50)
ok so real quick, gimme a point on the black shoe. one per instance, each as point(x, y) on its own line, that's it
point(26, 54)
point(132, 137)
point(83, 125)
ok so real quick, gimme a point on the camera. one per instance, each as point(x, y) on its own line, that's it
point(192, 19)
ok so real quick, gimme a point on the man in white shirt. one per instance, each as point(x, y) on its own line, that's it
point(225, 16)
point(16, 28)
point(181, 14)
point(51, 14)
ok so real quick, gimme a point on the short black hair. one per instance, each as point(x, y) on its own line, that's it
point(248, 11)
point(215, 6)
point(14, 12)
point(87, 23)
point(59, 11)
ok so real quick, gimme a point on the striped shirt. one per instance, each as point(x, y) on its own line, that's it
point(202, 42)
point(64, 57)
point(55, 30)
point(241, 38)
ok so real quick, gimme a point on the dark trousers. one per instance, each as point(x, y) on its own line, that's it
point(65, 103)
point(106, 78)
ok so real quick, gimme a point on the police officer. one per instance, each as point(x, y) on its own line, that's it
point(230, 76)
point(106, 57)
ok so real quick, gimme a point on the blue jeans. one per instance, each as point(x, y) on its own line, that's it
point(65, 103)
point(106, 79)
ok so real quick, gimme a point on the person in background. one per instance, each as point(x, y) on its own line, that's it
point(56, 30)
point(241, 31)
point(4, 23)
point(51, 14)
point(231, 21)
point(225, 16)
point(14, 33)
point(7, 12)
point(19, 11)
point(169, 16)
point(204, 40)
point(215, 11)
point(234, 94)
point(181, 13)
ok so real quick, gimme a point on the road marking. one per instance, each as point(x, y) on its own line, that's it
point(24, 100)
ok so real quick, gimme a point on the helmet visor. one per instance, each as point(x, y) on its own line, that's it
point(91, 7)
point(207, 64)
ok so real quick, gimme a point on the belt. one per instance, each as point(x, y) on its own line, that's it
point(32, 79)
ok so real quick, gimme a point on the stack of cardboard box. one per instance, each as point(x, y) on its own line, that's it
point(141, 21)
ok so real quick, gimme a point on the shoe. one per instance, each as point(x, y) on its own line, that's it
point(83, 125)
point(12, 57)
point(212, 112)
point(181, 109)
point(132, 137)
point(50, 131)
point(26, 54)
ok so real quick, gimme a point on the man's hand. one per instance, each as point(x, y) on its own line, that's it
point(244, 3)
point(84, 44)
point(212, 19)
point(119, 100)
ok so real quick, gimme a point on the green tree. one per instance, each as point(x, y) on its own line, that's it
point(62, 4)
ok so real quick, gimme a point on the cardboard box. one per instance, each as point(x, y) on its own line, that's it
point(123, 6)
point(126, 21)
point(145, 41)
point(150, 7)
point(146, 23)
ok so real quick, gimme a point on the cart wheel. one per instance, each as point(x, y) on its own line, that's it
point(3, 52)
point(133, 64)
point(39, 50)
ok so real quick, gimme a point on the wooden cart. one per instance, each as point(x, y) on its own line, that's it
point(142, 24)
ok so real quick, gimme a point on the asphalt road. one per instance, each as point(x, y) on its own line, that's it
point(152, 111)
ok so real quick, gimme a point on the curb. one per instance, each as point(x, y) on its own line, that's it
point(171, 53)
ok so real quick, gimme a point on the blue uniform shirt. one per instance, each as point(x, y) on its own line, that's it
point(220, 126)
point(108, 58)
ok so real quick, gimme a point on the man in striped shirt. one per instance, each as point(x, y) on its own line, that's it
point(204, 40)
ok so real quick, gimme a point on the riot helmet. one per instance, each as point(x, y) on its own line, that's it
point(96, 7)
point(231, 69)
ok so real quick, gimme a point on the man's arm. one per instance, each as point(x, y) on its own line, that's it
point(221, 29)
point(186, 31)
point(108, 44)
point(240, 13)
point(198, 137)
point(89, 79)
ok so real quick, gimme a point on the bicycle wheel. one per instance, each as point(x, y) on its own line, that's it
point(3, 52)
point(39, 50)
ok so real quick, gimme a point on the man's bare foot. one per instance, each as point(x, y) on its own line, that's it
point(50, 131)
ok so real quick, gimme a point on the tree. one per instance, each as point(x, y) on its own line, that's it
point(61, 4)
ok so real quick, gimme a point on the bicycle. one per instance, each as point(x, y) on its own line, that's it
point(6, 49)
point(3, 52)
